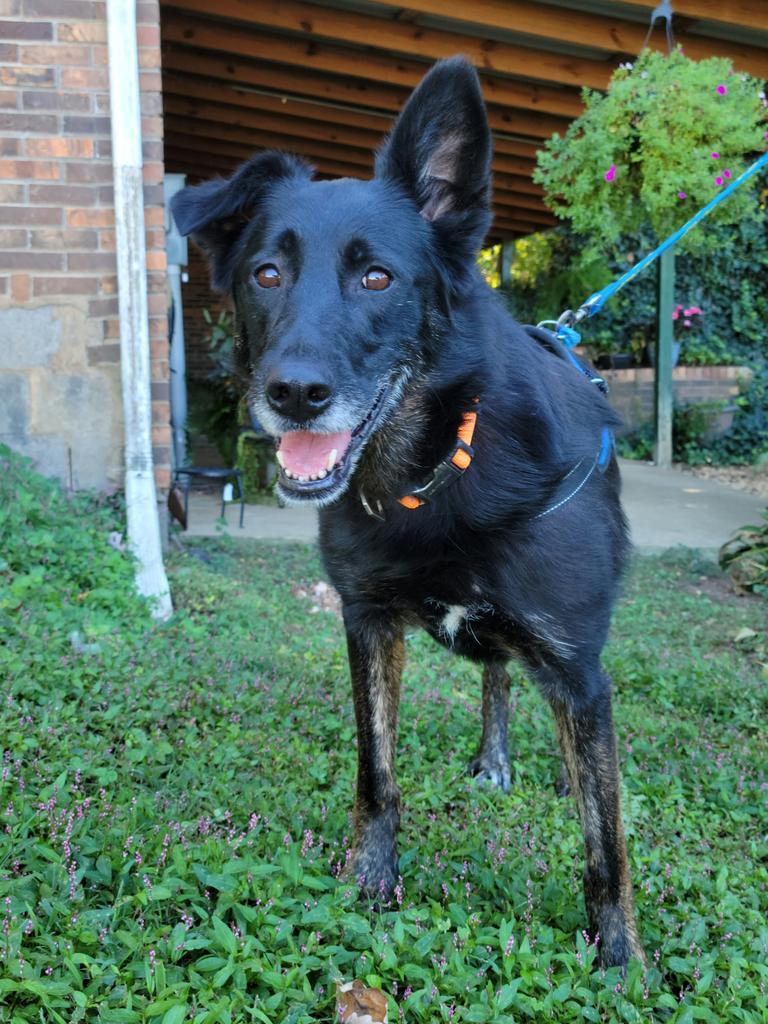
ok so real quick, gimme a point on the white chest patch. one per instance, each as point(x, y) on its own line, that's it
point(452, 620)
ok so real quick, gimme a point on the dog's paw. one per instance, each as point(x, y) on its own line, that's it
point(490, 771)
point(619, 952)
point(373, 870)
point(618, 940)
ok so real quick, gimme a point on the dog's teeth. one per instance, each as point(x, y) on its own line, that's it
point(323, 473)
point(331, 459)
point(303, 479)
point(280, 458)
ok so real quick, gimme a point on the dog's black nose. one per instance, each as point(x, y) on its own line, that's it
point(298, 394)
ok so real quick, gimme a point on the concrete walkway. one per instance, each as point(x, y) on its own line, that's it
point(665, 508)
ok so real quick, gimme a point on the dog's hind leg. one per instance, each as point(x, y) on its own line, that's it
point(491, 764)
point(376, 654)
point(588, 743)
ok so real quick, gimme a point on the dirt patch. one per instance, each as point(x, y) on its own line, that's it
point(719, 589)
point(752, 479)
point(322, 596)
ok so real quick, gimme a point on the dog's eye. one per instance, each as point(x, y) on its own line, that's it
point(376, 279)
point(268, 276)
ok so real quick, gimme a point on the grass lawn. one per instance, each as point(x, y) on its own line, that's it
point(175, 801)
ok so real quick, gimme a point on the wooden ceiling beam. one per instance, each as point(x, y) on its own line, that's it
point(338, 160)
point(360, 94)
point(298, 128)
point(290, 79)
point(231, 153)
point(285, 78)
point(512, 183)
point(366, 64)
point(513, 226)
point(284, 104)
point(304, 135)
point(518, 213)
point(180, 160)
point(252, 139)
point(203, 89)
point(186, 160)
point(404, 37)
point(607, 32)
point(223, 157)
point(528, 202)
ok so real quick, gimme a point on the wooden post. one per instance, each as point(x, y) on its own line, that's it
point(505, 269)
point(664, 337)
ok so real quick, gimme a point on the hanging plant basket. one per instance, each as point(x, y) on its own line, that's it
point(665, 138)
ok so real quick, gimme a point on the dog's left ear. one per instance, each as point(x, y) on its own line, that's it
point(439, 151)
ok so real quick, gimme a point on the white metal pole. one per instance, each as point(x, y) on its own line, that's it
point(177, 253)
point(140, 494)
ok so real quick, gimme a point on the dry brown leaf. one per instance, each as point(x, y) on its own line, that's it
point(356, 1004)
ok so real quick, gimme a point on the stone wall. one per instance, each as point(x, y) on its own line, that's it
point(60, 394)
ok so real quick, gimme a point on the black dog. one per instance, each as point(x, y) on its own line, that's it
point(464, 471)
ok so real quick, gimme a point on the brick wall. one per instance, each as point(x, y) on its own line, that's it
point(197, 295)
point(631, 391)
point(60, 398)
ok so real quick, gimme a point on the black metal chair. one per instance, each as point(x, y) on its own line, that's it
point(211, 473)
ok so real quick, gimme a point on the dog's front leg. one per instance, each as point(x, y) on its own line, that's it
point(376, 654)
point(588, 744)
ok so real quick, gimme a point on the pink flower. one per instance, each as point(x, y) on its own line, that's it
point(719, 179)
point(676, 312)
point(681, 195)
point(686, 323)
point(727, 173)
point(693, 311)
point(610, 174)
point(715, 156)
point(722, 89)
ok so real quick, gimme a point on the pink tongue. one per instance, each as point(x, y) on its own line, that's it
point(306, 454)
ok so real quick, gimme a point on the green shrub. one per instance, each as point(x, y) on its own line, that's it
point(214, 401)
point(745, 557)
point(64, 556)
point(744, 443)
point(729, 283)
point(747, 439)
point(255, 459)
point(217, 409)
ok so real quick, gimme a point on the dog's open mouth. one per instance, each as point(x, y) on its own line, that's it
point(316, 467)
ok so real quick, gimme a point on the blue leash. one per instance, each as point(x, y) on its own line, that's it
point(565, 325)
point(566, 333)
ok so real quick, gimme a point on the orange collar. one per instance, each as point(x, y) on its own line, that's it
point(452, 466)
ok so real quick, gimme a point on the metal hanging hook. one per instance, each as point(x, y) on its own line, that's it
point(663, 11)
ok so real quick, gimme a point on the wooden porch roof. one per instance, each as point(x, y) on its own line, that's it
point(324, 79)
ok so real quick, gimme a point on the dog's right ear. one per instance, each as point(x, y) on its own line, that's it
point(215, 213)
